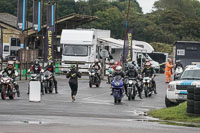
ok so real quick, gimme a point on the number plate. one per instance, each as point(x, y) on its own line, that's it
point(182, 96)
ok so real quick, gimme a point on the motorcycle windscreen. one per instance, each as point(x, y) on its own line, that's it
point(35, 91)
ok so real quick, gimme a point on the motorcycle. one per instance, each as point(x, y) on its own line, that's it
point(47, 80)
point(36, 77)
point(94, 78)
point(7, 87)
point(178, 72)
point(110, 71)
point(117, 88)
point(131, 88)
point(147, 86)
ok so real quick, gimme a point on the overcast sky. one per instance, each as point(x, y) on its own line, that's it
point(147, 5)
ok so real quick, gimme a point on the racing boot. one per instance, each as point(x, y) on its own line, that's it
point(56, 90)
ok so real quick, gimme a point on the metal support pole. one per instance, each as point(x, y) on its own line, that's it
point(20, 76)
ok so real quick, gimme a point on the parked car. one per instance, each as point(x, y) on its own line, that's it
point(177, 90)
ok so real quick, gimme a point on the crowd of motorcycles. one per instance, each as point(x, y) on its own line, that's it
point(8, 87)
point(118, 85)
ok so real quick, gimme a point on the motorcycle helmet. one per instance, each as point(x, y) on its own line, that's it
point(148, 64)
point(118, 69)
point(37, 62)
point(115, 62)
point(10, 64)
point(112, 61)
point(72, 66)
point(131, 67)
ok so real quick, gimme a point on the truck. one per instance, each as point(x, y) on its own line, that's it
point(187, 52)
point(80, 45)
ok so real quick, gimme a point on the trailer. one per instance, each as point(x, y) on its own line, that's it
point(187, 52)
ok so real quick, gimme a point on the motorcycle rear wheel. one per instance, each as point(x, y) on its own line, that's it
point(146, 91)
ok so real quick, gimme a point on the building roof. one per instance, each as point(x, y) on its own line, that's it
point(10, 20)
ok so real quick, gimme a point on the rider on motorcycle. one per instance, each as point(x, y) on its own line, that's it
point(12, 73)
point(118, 72)
point(132, 73)
point(51, 69)
point(178, 64)
point(148, 71)
point(97, 67)
point(37, 69)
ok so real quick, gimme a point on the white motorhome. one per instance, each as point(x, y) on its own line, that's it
point(80, 45)
point(6, 50)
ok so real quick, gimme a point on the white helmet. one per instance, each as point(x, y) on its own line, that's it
point(118, 68)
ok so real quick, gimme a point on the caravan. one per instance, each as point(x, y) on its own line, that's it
point(80, 45)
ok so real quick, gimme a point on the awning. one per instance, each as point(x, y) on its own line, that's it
point(117, 44)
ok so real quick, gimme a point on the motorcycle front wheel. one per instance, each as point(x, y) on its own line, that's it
point(3, 93)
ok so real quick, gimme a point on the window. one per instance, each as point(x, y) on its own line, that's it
point(191, 74)
point(15, 42)
point(76, 50)
point(6, 49)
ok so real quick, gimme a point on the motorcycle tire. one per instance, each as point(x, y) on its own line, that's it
point(134, 94)
point(145, 91)
point(11, 95)
point(115, 100)
point(90, 84)
point(3, 93)
point(51, 87)
point(129, 97)
point(119, 101)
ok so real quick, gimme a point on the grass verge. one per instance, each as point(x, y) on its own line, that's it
point(177, 113)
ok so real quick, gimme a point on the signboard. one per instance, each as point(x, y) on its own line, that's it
point(21, 14)
point(1, 42)
point(181, 52)
point(36, 15)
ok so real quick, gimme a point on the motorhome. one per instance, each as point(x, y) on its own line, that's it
point(80, 45)
point(115, 46)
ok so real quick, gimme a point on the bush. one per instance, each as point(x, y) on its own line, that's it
point(162, 47)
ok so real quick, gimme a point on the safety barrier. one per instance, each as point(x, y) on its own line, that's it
point(193, 100)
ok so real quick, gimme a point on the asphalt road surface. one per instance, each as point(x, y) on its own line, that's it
point(92, 112)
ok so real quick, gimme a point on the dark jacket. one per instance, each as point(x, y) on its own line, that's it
point(132, 74)
point(50, 68)
point(10, 72)
point(120, 73)
point(148, 72)
point(73, 75)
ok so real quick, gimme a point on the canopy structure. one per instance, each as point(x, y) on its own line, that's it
point(118, 44)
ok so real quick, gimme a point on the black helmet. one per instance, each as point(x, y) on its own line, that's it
point(131, 67)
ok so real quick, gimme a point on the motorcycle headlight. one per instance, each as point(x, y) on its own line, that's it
point(117, 83)
point(8, 80)
point(130, 81)
point(148, 81)
point(171, 87)
point(2, 80)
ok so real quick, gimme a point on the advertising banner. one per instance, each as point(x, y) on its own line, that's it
point(37, 15)
point(128, 50)
point(1, 42)
point(21, 14)
point(49, 42)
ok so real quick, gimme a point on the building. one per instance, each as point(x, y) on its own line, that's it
point(14, 39)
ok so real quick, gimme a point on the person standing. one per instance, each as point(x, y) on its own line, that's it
point(73, 81)
point(168, 70)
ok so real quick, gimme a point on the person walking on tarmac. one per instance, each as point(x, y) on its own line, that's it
point(51, 69)
point(132, 73)
point(168, 70)
point(148, 71)
point(12, 73)
point(73, 81)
